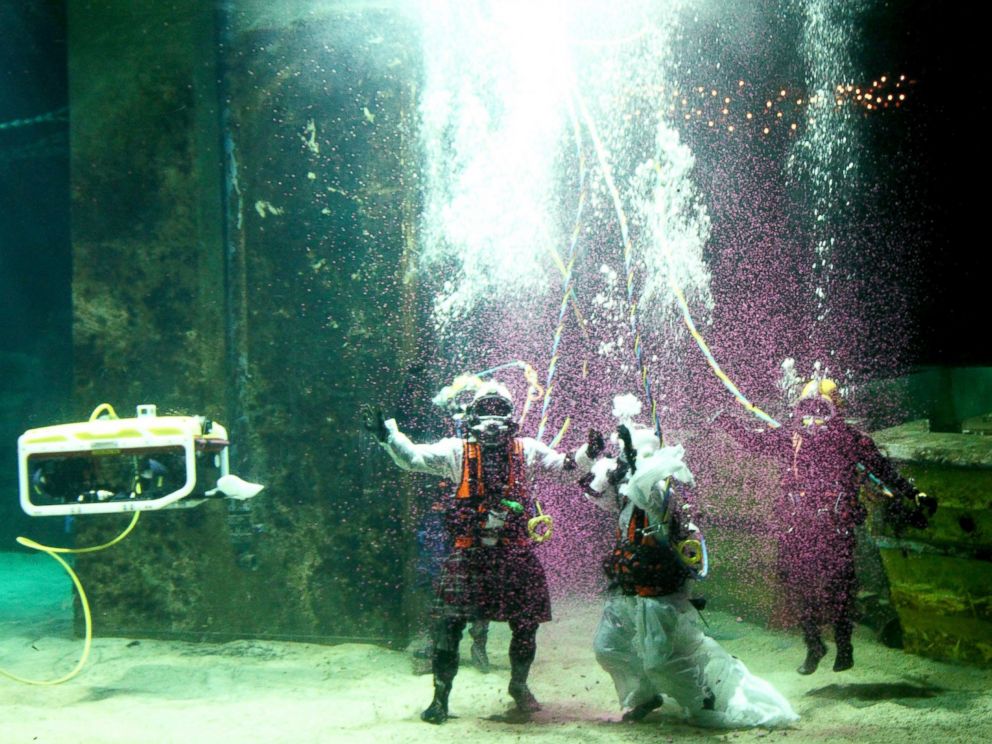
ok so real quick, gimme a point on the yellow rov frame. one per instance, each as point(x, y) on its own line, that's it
point(111, 465)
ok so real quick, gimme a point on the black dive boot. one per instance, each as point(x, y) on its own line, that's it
point(815, 650)
point(479, 631)
point(445, 668)
point(519, 691)
point(845, 649)
point(639, 712)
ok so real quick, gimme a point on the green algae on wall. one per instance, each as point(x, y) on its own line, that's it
point(325, 139)
point(278, 326)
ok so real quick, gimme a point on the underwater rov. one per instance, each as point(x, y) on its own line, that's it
point(109, 465)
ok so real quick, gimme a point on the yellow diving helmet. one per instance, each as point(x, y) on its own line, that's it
point(824, 388)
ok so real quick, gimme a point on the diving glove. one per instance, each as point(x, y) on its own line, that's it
point(374, 422)
point(595, 444)
point(616, 475)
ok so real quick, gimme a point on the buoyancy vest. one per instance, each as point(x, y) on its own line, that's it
point(642, 564)
point(478, 516)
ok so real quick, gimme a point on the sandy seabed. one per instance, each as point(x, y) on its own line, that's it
point(157, 692)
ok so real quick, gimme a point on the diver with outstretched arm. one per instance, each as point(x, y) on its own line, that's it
point(492, 572)
point(824, 462)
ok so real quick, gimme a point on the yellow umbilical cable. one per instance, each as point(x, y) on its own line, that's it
point(87, 616)
point(54, 553)
point(29, 543)
point(690, 325)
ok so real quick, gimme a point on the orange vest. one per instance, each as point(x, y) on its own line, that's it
point(640, 565)
point(472, 493)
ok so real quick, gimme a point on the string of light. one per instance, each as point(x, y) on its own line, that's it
point(786, 109)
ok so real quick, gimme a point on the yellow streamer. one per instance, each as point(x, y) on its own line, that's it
point(561, 433)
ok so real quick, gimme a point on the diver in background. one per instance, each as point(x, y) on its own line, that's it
point(824, 462)
point(434, 544)
point(649, 639)
point(492, 572)
point(432, 549)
